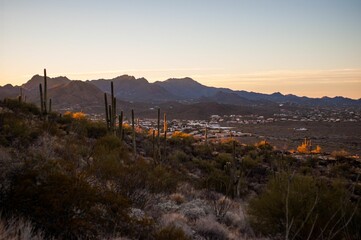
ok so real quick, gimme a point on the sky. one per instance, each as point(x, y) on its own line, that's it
point(308, 48)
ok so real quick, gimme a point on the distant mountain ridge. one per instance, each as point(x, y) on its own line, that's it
point(128, 89)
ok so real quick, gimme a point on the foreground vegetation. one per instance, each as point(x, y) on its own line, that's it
point(68, 178)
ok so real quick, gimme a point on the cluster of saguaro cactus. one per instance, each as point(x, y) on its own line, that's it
point(44, 97)
point(111, 118)
point(110, 110)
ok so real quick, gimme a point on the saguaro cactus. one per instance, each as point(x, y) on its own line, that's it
point(21, 94)
point(41, 98)
point(165, 128)
point(114, 113)
point(153, 146)
point(133, 129)
point(158, 135)
point(44, 97)
point(110, 110)
point(106, 111)
point(45, 92)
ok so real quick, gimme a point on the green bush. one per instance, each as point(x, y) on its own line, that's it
point(222, 159)
point(21, 107)
point(179, 156)
point(314, 208)
point(15, 131)
point(95, 129)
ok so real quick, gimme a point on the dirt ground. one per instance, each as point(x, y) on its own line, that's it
point(329, 136)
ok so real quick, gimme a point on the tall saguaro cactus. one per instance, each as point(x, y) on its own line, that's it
point(110, 110)
point(114, 113)
point(44, 97)
point(165, 128)
point(45, 92)
point(41, 98)
point(21, 95)
point(133, 131)
point(106, 111)
point(158, 135)
point(153, 146)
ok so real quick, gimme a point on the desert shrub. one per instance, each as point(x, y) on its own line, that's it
point(204, 165)
point(179, 157)
point(341, 169)
point(50, 198)
point(232, 219)
point(95, 129)
point(49, 127)
point(21, 107)
point(222, 159)
point(181, 139)
point(314, 207)
point(109, 153)
point(226, 145)
point(108, 143)
point(204, 151)
point(187, 190)
point(177, 197)
point(264, 146)
point(219, 181)
point(176, 220)
point(340, 155)
point(220, 204)
point(171, 232)
point(210, 229)
point(165, 207)
point(139, 180)
point(194, 209)
point(15, 131)
point(249, 163)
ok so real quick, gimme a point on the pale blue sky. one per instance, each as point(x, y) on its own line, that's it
point(308, 47)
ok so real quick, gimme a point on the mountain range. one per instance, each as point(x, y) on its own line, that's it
point(181, 93)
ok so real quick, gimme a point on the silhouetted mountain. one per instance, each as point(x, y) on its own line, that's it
point(227, 98)
point(33, 83)
point(9, 91)
point(187, 88)
point(187, 97)
point(131, 89)
point(82, 93)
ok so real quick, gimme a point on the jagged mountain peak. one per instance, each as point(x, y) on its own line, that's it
point(33, 83)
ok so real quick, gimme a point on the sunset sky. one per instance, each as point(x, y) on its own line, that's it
point(308, 48)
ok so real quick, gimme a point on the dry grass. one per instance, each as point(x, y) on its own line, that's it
point(18, 229)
